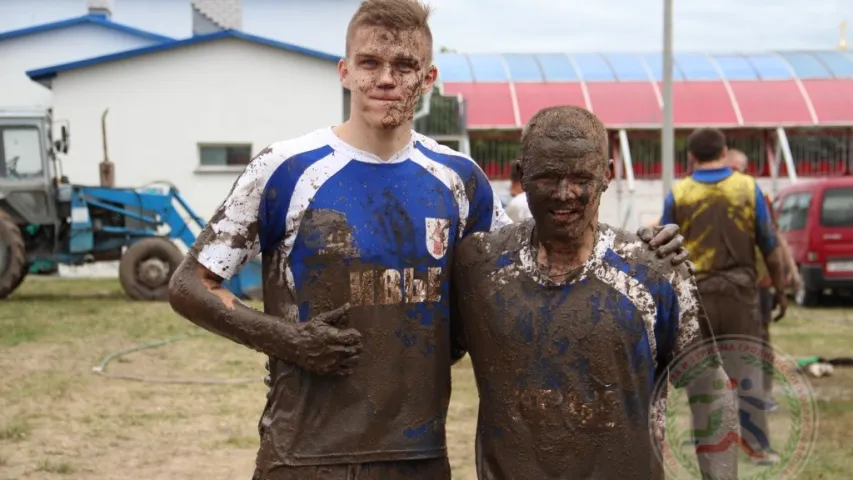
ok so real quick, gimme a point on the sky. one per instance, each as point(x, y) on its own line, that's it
point(526, 26)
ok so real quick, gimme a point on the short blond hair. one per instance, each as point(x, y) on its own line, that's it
point(395, 15)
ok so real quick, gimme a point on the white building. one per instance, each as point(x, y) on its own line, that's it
point(63, 41)
point(192, 112)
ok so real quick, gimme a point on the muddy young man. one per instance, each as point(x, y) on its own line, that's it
point(357, 225)
point(726, 220)
point(570, 323)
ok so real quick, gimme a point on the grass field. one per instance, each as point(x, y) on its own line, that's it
point(60, 420)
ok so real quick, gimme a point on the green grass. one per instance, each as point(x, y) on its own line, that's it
point(60, 420)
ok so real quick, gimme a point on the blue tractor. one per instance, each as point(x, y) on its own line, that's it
point(45, 221)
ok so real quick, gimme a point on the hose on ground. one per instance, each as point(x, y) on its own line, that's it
point(101, 369)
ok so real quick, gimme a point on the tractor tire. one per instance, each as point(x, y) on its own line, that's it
point(13, 256)
point(146, 268)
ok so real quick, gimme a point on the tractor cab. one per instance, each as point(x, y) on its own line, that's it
point(28, 184)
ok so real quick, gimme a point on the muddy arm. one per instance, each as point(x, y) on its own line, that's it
point(776, 266)
point(197, 294)
point(774, 253)
point(458, 345)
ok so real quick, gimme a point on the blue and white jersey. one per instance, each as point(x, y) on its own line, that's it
point(336, 225)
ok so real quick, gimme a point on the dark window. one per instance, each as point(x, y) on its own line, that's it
point(837, 208)
point(225, 155)
point(793, 211)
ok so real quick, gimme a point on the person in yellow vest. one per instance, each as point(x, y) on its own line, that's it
point(737, 161)
point(724, 217)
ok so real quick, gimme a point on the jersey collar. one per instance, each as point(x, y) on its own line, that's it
point(362, 156)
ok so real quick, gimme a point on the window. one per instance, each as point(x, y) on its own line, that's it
point(20, 153)
point(837, 208)
point(794, 211)
point(225, 155)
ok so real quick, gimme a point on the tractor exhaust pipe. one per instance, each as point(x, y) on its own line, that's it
point(107, 167)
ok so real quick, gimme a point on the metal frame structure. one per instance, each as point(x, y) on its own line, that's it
point(761, 90)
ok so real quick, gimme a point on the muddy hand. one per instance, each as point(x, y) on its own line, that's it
point(324, 346)
point(667, 241)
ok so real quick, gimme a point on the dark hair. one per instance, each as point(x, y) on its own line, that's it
point(515, 175)
point(706, 144)
point(582, 131)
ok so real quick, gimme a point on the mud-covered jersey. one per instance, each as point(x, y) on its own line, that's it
point(335, 224)
point(566, 372)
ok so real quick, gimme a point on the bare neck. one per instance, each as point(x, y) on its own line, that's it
point(559, 258)
point(383, 143)
point(712, 165)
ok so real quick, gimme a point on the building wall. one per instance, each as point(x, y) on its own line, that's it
point(162, 105)
point(18, 55)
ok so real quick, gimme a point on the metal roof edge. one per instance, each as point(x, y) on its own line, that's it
point(44, 74)
point(93, 19)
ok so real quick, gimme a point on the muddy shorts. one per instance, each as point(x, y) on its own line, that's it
point(432, 469)
point(728, 315)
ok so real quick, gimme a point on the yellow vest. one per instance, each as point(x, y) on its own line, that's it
point(718, 223)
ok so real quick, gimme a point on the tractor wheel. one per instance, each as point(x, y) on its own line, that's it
point(13, 256)
point(146, 268)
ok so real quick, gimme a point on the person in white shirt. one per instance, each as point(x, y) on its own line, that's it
point(517, 208)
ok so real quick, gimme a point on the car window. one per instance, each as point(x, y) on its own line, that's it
point(793, 211)
point(837, 208)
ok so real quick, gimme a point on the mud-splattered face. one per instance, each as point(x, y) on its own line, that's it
point(387, 71)
point(564, 180)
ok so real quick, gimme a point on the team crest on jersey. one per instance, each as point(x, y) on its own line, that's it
point(437, 231)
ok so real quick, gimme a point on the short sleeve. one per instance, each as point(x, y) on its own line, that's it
point(230, 239)
point(485, 212)
point(668, 216)
point(765, 232)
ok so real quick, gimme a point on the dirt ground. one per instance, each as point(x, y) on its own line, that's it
point(58, 419)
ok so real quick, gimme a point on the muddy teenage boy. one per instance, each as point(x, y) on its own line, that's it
point(570, 323)
point(357, 224)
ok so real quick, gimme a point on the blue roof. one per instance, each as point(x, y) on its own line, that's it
point(46, 73)
point(633, 67)
point(91, 19)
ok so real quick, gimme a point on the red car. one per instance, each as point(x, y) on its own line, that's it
point(816, 219)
